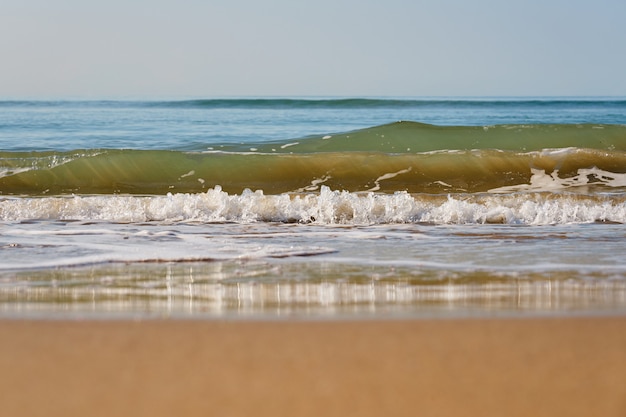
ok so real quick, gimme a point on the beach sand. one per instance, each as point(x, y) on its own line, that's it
point(442, 367)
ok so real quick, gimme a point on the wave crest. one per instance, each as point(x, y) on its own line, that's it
point(325, 207)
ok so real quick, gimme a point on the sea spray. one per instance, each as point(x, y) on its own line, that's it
point(326, 207)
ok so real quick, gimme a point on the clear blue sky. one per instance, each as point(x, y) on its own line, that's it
point(215, 48)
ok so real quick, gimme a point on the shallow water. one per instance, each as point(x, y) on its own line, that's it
point(312, 208)
point(276, 269)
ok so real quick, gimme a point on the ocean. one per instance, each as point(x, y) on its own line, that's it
point(312, 207)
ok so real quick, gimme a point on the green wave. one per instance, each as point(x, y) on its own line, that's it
point(160, 172)
point(411, 137)
point(402, 156)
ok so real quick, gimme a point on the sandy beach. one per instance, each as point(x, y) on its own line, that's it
point(442, 367)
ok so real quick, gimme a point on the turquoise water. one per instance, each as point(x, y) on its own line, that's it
point(198, 124)
point(312, 207)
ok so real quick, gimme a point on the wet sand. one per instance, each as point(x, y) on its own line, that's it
point(443, 367)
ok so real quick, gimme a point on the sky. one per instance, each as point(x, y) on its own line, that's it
point(357, 48)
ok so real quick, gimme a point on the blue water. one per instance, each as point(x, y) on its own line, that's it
point(198, 124)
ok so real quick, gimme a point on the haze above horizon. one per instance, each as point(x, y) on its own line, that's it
point(339, 48)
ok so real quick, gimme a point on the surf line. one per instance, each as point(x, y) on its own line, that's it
point(386, 177)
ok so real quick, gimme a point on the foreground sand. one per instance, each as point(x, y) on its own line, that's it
point(474, 367)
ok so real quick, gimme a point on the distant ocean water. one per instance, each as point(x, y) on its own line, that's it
point(312, 207)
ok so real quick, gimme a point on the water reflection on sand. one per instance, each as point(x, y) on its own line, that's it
point(287, 288)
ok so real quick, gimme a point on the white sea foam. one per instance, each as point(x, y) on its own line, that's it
point(189, 174)
point(325, 207)
point(315, 184)
point(45, 162)
point(541, 181)
point(49, 245)
point(388, 176)
point(5, 172)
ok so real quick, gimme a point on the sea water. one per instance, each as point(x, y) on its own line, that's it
point(312, 207)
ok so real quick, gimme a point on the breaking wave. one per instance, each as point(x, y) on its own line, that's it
point(325, 207)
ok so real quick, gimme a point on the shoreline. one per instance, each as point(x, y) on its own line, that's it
point(547, 366)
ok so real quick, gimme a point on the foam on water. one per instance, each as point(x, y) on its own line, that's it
point(541, 181)
point(586, 251)
point(73, 244)
point(326, 207)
